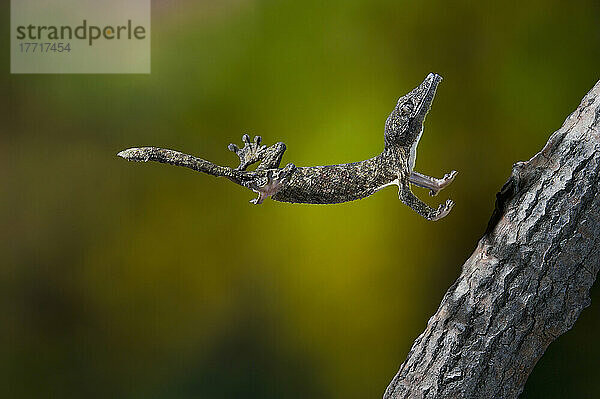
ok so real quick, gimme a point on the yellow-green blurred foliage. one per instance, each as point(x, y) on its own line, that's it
point(122, 280)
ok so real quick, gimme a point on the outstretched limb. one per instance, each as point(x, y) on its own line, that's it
point(411, 200)
point(434, 185)
point(252, 152)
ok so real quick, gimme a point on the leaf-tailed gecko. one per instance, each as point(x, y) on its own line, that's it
point(330, 184)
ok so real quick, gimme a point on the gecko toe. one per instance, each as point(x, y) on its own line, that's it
point(443, 210)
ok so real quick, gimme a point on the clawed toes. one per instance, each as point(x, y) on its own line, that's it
point(443, 183)
point(450, 176)
point(246, 139)
point(444, 209)
point(251, 153)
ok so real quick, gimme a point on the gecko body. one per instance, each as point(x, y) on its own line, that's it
point(331, 184)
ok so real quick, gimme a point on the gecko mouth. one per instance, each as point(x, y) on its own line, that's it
point(426, 93)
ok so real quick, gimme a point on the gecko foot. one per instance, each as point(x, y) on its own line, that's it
point(251, 153)
point(443, 183)
point(443, 210)
point(269, 184)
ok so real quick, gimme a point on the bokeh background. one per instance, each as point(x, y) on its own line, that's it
point(123, 280)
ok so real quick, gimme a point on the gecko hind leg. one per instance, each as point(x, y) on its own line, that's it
point(270, 182)
point(434, 185)
point(272, 156)
point(252, 152)
point(411, 200)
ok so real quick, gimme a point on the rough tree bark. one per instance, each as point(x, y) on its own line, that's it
point(528, 279)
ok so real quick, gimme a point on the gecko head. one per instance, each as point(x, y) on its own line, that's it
point(406, 120)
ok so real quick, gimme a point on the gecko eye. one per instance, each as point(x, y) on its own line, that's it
point(406, 108)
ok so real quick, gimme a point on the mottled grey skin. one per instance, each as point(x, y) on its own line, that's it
point(331, 184)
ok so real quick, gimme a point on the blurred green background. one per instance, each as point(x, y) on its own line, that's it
point(123, 280)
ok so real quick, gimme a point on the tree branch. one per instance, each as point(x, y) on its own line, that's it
point(528, 279)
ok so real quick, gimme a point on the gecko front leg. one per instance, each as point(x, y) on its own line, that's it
point(434, 185)
point(411, 200)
